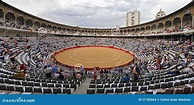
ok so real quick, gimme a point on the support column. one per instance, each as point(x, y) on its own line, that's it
point(156, 29)
point(33, 26)
point(172, 24)
point(4, 17)
point(181, 24)
point(24, 22)
point(15, 21)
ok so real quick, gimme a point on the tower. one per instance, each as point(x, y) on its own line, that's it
point(133, 18)
point(160, 14)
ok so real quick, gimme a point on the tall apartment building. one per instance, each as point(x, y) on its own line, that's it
point(133, 18)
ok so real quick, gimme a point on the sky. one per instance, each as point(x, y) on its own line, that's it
point(95, 13)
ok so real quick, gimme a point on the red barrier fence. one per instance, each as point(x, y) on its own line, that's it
point(108, 68)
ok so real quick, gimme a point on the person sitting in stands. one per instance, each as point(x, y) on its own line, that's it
point(182, 63)
point(189, 70)
point(55, 75)
point(66, 75)
point(126, 78)
point(61, 76)
point(175, 72)
point(20, 75)
point(23, 67)
point(78, 76)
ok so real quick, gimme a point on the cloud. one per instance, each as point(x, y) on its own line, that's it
point(95, 13)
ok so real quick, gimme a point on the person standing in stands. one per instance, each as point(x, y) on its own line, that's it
point(54, 70)
point(137, 69)
point(106, 73)
point(48, 71)
point(101, 74)
point(82, 70)
point(74, 73)
point(135, 73)
point(95, 76)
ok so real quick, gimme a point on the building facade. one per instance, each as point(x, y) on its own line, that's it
point(133, 18)
point(14, 20)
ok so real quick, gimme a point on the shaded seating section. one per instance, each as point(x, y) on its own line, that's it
point(161, 83)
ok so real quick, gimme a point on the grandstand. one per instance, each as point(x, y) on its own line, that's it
point(162, 59)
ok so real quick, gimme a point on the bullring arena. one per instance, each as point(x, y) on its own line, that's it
point(39, 56)
point(91, 57)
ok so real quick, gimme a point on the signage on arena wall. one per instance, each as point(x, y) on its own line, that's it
point(77, 99)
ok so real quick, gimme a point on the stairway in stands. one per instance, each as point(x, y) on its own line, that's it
point(83, 87)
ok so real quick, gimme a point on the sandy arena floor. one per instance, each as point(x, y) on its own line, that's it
point(90, 57)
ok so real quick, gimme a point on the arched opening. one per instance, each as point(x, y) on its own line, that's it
point(121, 32)
point(168, 24)
point(187, 20)
point(129, 31)
point(20, 22)
point(29, 23)
point(63, 30)
point(160, 26)
point(137, 29)
point(177, 23)
point(36, 25)
point(74, 31)
point(147, 28)
point(43, 25)
point(49, 28)
point(10, 19)
point(125, 32)
point(54, 29)
point(1, 17)
point(142, 29)
point(153, 27)
point(59, 29)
